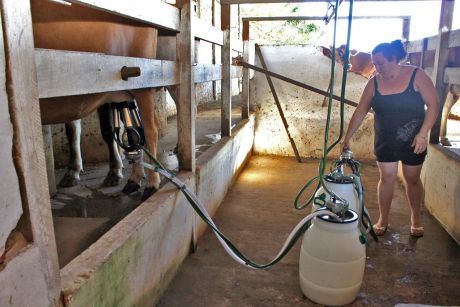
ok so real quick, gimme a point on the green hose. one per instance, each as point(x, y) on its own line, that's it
point(327, 149)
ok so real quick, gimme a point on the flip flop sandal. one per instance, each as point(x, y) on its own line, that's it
point(417, 232)
point(379, 230)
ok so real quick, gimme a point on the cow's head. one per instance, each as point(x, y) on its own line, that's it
point(339, 54)
point(359, 62)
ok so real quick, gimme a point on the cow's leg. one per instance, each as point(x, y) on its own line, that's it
point(115, 174)
point(450, 101)
point(73, 133)
point(146, 108)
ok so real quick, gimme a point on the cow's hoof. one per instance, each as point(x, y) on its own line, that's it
point(68, 181)
point(112, 179)
point(148, 191)
point(131, 187)
point(445, 142)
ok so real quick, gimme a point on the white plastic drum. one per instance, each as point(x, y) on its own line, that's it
point(332, 261)
point(344, 190)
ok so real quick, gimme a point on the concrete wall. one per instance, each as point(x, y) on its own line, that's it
point(223, 160)
point(133, 263)
point(302, 108)
point(441, 180)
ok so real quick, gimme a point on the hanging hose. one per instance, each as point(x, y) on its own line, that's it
point(229, 247)
point(327, 149)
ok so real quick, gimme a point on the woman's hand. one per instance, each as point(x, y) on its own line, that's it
point(344, 146)
point(420, 143)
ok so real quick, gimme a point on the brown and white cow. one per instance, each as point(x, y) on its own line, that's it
point(79, 28)
point(359, 62)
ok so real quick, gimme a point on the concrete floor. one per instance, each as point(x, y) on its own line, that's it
point(258, 214)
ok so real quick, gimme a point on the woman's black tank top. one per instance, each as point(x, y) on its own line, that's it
point(398, 118)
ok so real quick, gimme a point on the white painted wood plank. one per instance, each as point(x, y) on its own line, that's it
point(417, 46)
point(154, 12)
point(237, 45)
point(64, 73)
point(10, 203)
point(454, 39)
point(213, 72)
point(207, 32)
point(452, 75)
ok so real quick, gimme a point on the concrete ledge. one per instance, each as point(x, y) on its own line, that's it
point(133, 263)
point(134, 260)
point(220, 165)
point(440, 177)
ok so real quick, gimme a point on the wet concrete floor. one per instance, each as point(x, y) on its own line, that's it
point(258, 214)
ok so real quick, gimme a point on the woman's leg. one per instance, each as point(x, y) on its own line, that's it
point(388, 174)
point(414, 192)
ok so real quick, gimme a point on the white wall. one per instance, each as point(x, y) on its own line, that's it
point(303, 109)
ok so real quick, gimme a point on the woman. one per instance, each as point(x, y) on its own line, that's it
point(398, 95)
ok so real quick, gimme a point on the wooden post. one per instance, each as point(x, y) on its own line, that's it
point(226, 83)
point(32, 278)
point(440, 62)
point(213, 21)
point(49, 156)
point(186, 109)
point(406, 29)
point(422, 54)
point(245, 81)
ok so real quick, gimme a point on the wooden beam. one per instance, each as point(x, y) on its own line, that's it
point(186, 109)
point(277, 18)
point(296, 1)
point(440, 62)
point(214, 15)
point(245, 80)
point(226, 83)
point(153, 12)
point(64, 73)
